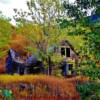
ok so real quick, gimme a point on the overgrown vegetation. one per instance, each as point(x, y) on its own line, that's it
point(39, 86)
point(53, 21)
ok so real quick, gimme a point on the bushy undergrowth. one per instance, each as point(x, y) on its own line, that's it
point(89, 90)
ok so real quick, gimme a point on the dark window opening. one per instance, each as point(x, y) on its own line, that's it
point(63, 51)
point(67, 52)
point(70, 66)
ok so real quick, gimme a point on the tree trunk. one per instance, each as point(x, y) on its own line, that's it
point(49, 64)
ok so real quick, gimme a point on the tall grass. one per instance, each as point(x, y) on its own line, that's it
point(40, 86)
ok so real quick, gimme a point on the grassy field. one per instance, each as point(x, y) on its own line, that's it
point(39, 87)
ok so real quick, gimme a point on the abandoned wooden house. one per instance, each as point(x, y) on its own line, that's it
point(67, 51)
